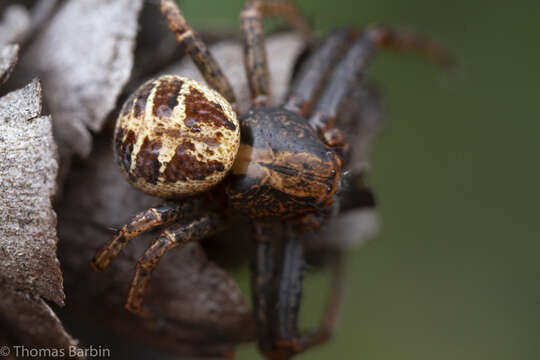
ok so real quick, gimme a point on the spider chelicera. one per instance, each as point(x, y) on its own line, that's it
point(181, 141)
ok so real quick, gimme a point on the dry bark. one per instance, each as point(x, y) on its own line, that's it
point(29, 269)
point(28, 170)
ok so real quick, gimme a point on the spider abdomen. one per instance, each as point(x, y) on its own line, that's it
point(175, 137)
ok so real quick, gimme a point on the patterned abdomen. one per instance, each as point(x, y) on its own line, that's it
point(175, 137)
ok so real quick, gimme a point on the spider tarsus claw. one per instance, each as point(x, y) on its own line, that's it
point(132, 309)
point(96, 266)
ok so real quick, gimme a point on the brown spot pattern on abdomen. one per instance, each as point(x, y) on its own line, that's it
point(184, 166)
point(147, 164)
point(166, 97)
point(201, 110)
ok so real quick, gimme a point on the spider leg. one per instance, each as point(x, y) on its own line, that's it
point(324, 332)
point(197, 50)
point(287, 339)
point(356, 60)
point(255, 53)
point(262, 283)
point(314, 72)
point(289, 292)
point(142, 222)
point(170, 238)
point(255, 59)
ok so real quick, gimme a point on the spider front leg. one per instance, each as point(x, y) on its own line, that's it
point(206, 225)
point(255, 59)
point(197, 50)
point(255, 53)
point(142, 222)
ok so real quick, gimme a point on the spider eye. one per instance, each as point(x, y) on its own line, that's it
point(176, 137)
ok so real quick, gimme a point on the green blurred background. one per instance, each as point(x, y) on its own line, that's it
point(454, 273)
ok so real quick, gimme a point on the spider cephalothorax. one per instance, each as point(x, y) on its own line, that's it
point(283, 168)
point(177, 139)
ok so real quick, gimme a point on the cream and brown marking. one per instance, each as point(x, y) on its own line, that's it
point(175, 137)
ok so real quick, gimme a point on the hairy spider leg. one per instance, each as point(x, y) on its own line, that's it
point(140, 223)
point(357, 196)
point(197, 50)
point(255, 59)
point(357, 59)
point(176, 235)
point(301, 342)
point(277, 291)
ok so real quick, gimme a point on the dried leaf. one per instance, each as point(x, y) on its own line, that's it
point(8, 58)
point(84, 58)
point(202, 310)
point(29, 321)
point(28, 171)
point(229, 55)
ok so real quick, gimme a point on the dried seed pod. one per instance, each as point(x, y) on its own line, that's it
point(175, 137)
